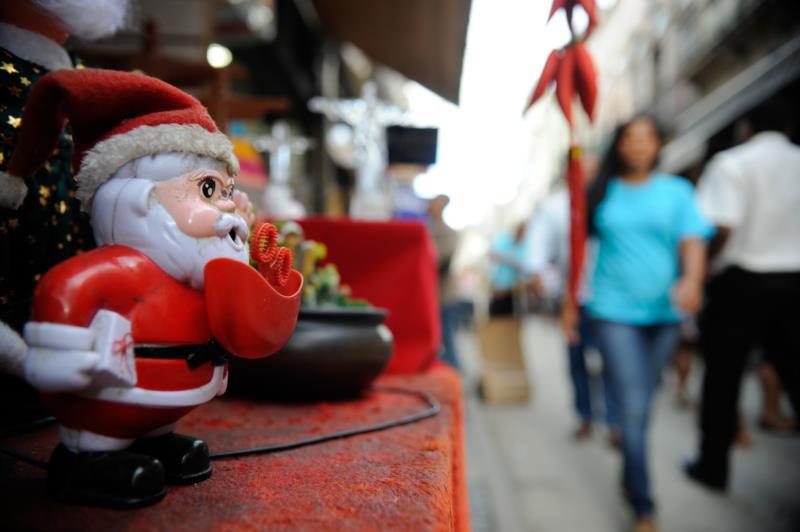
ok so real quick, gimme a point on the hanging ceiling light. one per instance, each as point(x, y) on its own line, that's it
point(218, 56)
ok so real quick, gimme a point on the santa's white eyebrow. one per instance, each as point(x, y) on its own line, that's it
point(206, 172)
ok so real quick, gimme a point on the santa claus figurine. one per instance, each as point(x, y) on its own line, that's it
point(126, 339)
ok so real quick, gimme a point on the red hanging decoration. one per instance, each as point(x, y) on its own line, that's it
point(565, 83)
point(573, 71)
point(589, 6)
point(585, 78)
point(577, 219)
point(547, 77)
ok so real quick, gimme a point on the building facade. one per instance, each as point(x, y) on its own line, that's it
point(698, 66)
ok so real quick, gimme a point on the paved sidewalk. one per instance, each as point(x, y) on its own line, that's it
point(526, 474)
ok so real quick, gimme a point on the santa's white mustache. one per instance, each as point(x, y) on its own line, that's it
point(231, 223)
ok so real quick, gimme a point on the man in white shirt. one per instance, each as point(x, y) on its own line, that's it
point(752, 194)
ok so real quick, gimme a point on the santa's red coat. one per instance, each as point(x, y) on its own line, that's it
point(162, 311)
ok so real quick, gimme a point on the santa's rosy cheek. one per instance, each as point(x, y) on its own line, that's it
point(193, 216)
point(198, 220)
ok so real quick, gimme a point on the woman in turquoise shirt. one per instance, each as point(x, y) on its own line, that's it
point(649, 271)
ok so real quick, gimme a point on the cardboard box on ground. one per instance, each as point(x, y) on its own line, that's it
point(503, 378)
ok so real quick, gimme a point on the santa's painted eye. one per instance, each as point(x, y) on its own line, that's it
point(208, 186)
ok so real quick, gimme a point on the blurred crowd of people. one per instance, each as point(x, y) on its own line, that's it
point(671, 268)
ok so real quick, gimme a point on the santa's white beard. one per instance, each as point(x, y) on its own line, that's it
point(138, 221)
point(185, 257)
point(88, 19)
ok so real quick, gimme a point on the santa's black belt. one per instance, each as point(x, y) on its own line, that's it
point(194, 354)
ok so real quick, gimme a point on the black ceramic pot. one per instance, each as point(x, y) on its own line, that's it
point(333, 353)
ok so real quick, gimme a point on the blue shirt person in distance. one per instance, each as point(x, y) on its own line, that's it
point(507, 254)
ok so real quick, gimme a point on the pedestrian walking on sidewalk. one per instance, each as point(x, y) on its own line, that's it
point(648, 273)
point(752, 194)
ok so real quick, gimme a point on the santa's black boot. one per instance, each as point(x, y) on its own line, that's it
point(185, 458)
point(113, 479)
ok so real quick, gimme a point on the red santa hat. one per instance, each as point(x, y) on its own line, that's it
point(116, 117)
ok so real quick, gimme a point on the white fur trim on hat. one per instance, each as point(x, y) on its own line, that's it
point(12, 190)
point(107, 156)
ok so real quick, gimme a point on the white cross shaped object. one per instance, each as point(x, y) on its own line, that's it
point(368, 117)
point(281, 144)
point(278, 201)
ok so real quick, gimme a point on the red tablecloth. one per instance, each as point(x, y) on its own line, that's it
point(405, 478)
point(392, 265)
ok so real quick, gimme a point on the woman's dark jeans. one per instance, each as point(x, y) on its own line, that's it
point(636, 356)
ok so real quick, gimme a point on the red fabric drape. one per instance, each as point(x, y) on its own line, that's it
point(392, 265)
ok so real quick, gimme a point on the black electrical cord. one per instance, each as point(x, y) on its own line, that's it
point(22, 457)
point(433, 409)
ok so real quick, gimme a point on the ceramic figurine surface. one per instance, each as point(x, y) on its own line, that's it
point(128, 338)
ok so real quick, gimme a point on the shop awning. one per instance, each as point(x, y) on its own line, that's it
point(730, 101)
point(422, 39)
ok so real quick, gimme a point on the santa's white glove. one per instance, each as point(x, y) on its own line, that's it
point(51, 370)
point(60, 357)
point(64, 358)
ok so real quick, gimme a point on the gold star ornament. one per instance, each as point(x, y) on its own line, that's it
point(14, 121)
point(8, 67)
point(25, 81)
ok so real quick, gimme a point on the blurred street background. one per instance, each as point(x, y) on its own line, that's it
point(526, 474)
point(421, 112)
